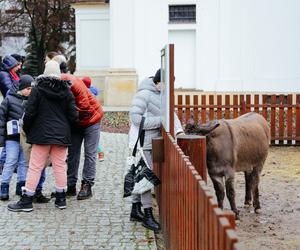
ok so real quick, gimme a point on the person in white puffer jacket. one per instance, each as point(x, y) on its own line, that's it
point(147, 103)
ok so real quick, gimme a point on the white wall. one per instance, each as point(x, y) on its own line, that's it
point(139, 32)
point(92, 37)
point(250, 45)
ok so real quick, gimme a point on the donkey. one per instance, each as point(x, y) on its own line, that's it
point(233, 145)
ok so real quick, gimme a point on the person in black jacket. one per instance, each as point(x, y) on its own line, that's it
point(49, 115)
point(11, 110)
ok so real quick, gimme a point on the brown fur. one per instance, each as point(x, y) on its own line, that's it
point(233, 145)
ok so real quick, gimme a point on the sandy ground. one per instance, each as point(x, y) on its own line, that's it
point(278, 226)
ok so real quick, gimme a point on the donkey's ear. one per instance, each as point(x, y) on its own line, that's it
point(190, 127)
point(208, 127)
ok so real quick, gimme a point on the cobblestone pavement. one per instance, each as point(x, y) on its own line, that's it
point(101, 222)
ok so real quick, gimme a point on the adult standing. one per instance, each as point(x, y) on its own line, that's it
point(146, 102)
point(88, 132)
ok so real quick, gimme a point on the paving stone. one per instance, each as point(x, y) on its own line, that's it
point(101, 222)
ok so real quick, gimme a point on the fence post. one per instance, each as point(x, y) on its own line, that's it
point(194, 146)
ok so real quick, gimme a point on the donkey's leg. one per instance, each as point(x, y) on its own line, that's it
point(219, 189)
point(248, 185)
point(230, 192)
point(255, 182)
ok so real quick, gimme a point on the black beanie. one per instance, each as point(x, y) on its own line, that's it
point(156, 78)
point(25, 81)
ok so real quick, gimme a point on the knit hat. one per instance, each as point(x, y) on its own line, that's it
point(87, 81)
point(18, 57)
point(156, 78)
point(52, 69)
point(10, 62)
point(25, 82)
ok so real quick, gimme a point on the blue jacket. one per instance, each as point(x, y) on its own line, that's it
point(11, 109)
point(5, 77)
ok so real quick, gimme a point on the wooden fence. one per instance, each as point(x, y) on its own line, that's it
point(281, 111)
point(189, 214)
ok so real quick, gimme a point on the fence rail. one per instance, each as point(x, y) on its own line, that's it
point(188, 212)
point(281, 112)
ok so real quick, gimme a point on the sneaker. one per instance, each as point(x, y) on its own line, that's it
point(71, 191)
point(23, 205)
point(85, 191)
point(101, 156)
point(60, 200)
point(40, 198)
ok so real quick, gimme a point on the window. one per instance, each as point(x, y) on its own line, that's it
point(182, 13)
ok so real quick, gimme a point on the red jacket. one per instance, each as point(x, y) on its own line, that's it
point(89, 109)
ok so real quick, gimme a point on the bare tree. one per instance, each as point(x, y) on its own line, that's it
point(47, 23)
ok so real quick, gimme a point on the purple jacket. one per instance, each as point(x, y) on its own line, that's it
point(6, 79)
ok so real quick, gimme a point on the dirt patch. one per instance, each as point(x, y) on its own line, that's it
point(115, 122)
point(278, 226)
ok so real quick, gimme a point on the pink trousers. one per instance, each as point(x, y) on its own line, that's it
point(38, 157)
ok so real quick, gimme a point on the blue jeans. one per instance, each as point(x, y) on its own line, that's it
point(14, 156)
point(3, 156)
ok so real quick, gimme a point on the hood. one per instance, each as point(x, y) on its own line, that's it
point(148, 84)
point(53, 87)
point(8, 63)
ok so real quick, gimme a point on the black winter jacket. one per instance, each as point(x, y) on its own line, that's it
point(11, 109)
point(50, 112)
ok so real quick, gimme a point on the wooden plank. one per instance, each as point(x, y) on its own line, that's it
point(265, 108)
point(227, 109)
point(298, 119)
point(195, 109)
point(256, 102)
point(219, 109)
point(289, 118)
point(187, 110)
point(211, 109)
point(231, 238)
point(242, 105)
point(281, 120)
point(248, 103)
point(273, 119)
point(235, 106)
point(179, 112)
point(203, 110)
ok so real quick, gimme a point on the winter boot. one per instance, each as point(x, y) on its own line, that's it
point(85, 191)
point(40, 198)
point(19, 186)
point(136, 212)
point(4, 196)
point(23, 205)
point(71, 191)
point(149, 221)
point(60, 200)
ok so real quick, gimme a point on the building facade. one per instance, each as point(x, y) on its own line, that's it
point(220, 45)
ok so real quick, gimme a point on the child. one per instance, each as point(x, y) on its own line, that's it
point(87, 81)
point(11, 110)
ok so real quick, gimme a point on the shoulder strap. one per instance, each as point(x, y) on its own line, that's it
point(140, 138)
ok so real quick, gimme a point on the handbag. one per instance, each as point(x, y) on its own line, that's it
point(139, 178)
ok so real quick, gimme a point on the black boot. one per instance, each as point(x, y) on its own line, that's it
point(40, 198)
point(136, 212)
point(23, 205)
point(71, 191)
point(19, 186)
point(4, 192)
point(149, 221)
point(85, 191)
point(60, 200)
